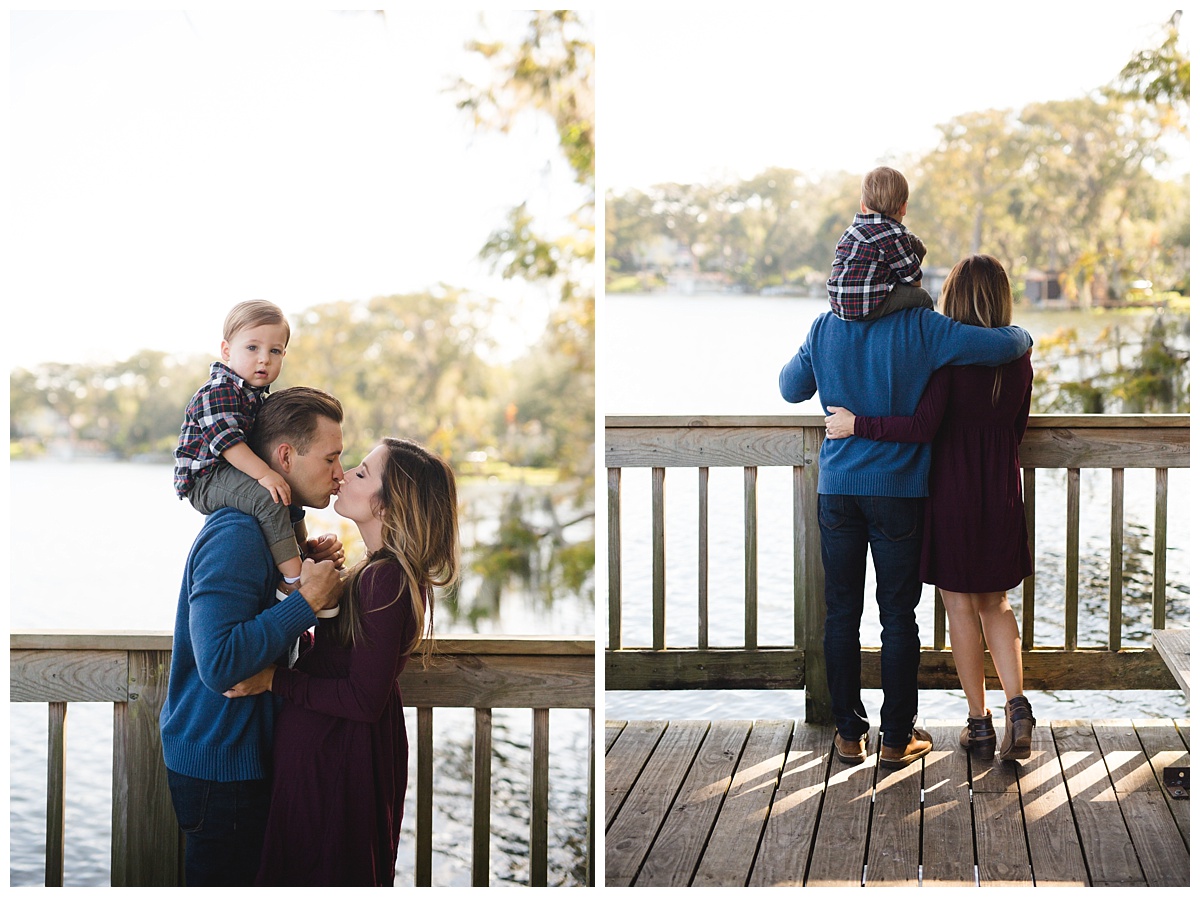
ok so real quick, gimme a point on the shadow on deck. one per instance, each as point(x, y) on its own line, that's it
point(764, 803)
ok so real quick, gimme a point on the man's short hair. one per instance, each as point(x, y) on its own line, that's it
point(292, 416)
point(884, 190)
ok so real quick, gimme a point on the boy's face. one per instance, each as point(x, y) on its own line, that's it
point(256, 353)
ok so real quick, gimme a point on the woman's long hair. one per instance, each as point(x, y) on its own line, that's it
point(977, 292)
point(418, 504)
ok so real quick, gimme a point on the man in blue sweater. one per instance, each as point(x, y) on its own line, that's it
point(228, 626)
point(873, 493)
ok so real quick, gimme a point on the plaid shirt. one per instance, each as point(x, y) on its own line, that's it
point(872, 256)
point(219, 415)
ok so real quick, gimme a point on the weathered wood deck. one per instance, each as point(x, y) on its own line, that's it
point(696, 803)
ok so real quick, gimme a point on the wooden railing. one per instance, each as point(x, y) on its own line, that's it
point(1070, 443)
point(130, 671)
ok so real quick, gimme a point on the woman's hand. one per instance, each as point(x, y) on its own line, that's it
point(255, 685)
point(840, 423)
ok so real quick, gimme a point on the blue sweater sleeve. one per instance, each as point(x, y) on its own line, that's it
point(951, 342)
point(797, 381)
point(231, 638)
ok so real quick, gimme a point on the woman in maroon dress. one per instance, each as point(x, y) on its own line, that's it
point(341, 752)
point(976, 544)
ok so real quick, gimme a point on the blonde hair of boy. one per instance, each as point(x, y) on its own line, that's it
point(884, 190)
point(253, 314)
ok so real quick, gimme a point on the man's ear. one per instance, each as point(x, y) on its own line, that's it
point(284, 454)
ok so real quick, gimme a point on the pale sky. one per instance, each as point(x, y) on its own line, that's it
point(692, 93)
point(167, 165)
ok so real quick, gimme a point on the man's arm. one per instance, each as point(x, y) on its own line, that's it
point(230, 637)
point(797, 381)
point(951, 342)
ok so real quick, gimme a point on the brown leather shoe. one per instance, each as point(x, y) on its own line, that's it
point(850, 751)
point(979, 736)
point(1018, 729)
point(919, 744)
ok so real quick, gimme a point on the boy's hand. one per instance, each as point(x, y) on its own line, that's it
point(839, 424)
point(277, 486)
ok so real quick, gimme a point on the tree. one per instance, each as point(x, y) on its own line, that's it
point(1160, 77)
point(967, 193)
point(402, 365)
point(550, 72)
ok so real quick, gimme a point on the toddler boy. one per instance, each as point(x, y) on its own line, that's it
point(214, 467)
point(877, 263)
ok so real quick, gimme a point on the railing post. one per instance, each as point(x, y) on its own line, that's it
point(56, 791)
point(817, 706)
point(146, 842)
point(614, 558)
point(481, 799)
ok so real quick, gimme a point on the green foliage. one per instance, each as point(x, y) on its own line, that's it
point(549, 73)
point(1160, 77)
point(405, 365)
point(1135, 368)
point(1065, 186)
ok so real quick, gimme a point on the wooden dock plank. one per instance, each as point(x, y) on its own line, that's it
point(1001, 846)
point(894, 846)
point(675, 855)
point(840, 847)
point(1129, 768)
point(633, 830)
point(1054, 849)
point(1087, 807)
point(623, 762)
point(1161, 849)
point(611, 732)
point(1107, 848)
point(947, 845)
point(1164, 745)
point(1000, 836)
point(731, 849)
point(783, 853)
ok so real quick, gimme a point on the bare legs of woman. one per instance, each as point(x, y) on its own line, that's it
point(968, 613)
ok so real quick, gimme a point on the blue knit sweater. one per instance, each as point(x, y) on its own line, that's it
point(228, 626)
point(879, 369)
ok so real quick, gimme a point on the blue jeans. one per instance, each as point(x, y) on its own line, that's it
point(893, 529)
point(224, 824)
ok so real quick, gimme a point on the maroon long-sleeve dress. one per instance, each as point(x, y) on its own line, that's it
point(341, 751)
point(976, 538)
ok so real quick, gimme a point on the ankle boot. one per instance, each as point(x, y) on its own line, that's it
point(1018, 729)
point(979, 736)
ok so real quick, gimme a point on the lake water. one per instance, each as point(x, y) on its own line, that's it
point(120, 569)
point(721, 355)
